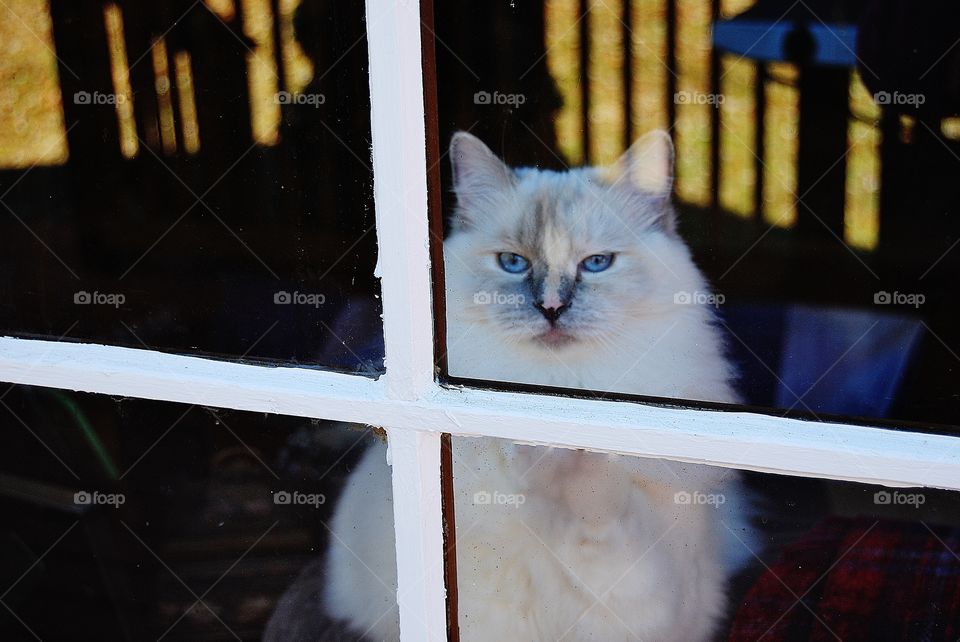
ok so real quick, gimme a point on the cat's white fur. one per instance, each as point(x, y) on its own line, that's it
point(600, 547)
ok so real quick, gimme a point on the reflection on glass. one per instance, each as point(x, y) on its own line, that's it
point(120, 72)
point(565, 544)
point(738, 171)
point(190, 179)
point(780, 143)
point(33, 129)
point(140, 520)
point(814, 192)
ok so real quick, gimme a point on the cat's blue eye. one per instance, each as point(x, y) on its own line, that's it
point(597, 262)
point(513, 263)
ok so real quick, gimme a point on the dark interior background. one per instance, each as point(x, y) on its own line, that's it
point(200, 240)
point(199, 517)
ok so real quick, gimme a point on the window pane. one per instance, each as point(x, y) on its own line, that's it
point(756, 222)
point(190, 177)
point(562, 544)
point(136, 520)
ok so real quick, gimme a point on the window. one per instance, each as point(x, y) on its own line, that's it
point(826, 307)
point(152, 519)
point(402, 392)
point(239, 226)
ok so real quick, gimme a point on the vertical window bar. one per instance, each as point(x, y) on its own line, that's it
point(403, 265)
point(450, 537)
point(400, 194)
point(414, 456)
point(435, 222)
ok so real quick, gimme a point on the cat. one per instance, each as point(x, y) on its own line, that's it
point(576, 279)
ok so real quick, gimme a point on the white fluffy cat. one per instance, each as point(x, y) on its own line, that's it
point(574, 279)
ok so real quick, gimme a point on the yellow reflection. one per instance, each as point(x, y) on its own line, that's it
point(120, 72)
point(606, 81)
point(861, 217)
point(32, 127)
point(780, 145)
point(262, 72)
point(563, 56)
point(738, 143)
point(298, 68)
point(730, 8)
point(693, 102)
point(189, 128)
point(950, 127)
point(161, 72)
point(907, 124)
point(223, 8)
point(862, 105)
point(649, 65)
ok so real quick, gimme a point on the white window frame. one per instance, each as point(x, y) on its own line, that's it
point(415, 409)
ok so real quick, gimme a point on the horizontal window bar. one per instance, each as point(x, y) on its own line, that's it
point(733, 439)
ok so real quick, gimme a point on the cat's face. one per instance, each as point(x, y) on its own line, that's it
point(562, 259)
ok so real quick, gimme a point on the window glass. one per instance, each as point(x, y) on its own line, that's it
point(564, 544)
point(140, 520)
point(190, 178)
point(765, 212)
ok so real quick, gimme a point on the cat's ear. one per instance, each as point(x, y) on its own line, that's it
point(478, 175)
point(647, 165)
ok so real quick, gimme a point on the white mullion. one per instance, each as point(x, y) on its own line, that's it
point(733, 439)
point(403, 265)
point(417, 516)
point(400, 191)
point(752, 441)
point(147, 374)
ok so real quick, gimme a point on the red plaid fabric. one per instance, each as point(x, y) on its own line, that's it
point(858, 579)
